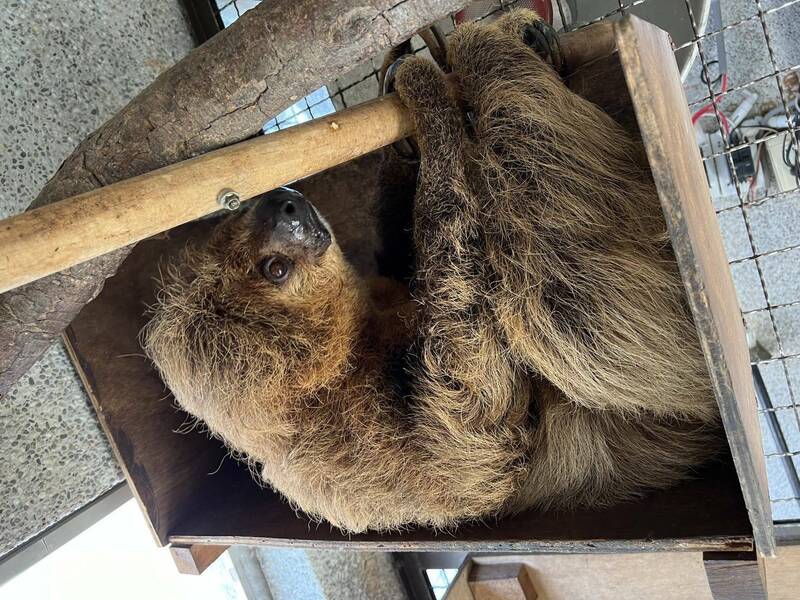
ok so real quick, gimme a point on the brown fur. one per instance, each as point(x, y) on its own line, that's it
point(549, 358)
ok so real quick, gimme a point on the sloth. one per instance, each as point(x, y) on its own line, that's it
point(541, 356)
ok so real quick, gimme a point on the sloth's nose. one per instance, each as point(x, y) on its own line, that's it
point(291, 219)
point(283, 204)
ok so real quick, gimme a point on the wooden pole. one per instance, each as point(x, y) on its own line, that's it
point(37, 243)
point(55, 237)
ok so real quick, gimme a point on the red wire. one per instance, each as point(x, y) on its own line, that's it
point(710, 107)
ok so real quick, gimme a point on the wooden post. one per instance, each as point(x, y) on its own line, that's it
point(735, 575)
point(194, 559)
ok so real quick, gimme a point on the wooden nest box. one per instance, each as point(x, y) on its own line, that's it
point(199, 501)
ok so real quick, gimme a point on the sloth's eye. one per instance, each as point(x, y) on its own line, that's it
point(276, 268)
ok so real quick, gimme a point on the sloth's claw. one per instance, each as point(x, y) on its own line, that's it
point(391, 73)
point(543, 39)
point(405, 148)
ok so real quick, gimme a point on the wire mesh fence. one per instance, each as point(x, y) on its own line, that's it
point(747, 145)
point(744, 103)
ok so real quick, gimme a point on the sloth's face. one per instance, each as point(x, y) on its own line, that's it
point(289, 233)
point(277, 250)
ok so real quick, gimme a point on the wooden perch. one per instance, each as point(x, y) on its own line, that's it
point(220, 94)
point(106, 219)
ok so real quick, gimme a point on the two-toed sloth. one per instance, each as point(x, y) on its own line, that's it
point(544, 355)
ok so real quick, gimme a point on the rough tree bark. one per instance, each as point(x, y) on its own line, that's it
point(221, 93)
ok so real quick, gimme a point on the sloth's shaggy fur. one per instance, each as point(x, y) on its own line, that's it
point(548, 357)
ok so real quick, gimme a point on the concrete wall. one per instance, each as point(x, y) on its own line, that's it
point(65, 67)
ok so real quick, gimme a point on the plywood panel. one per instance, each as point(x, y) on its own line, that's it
point(662, 113)
point(167, 471)
point(704, 514)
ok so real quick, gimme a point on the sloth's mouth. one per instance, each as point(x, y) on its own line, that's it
point(321, 232)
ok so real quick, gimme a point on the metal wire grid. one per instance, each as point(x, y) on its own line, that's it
point(362, 84)
point(745, 204)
